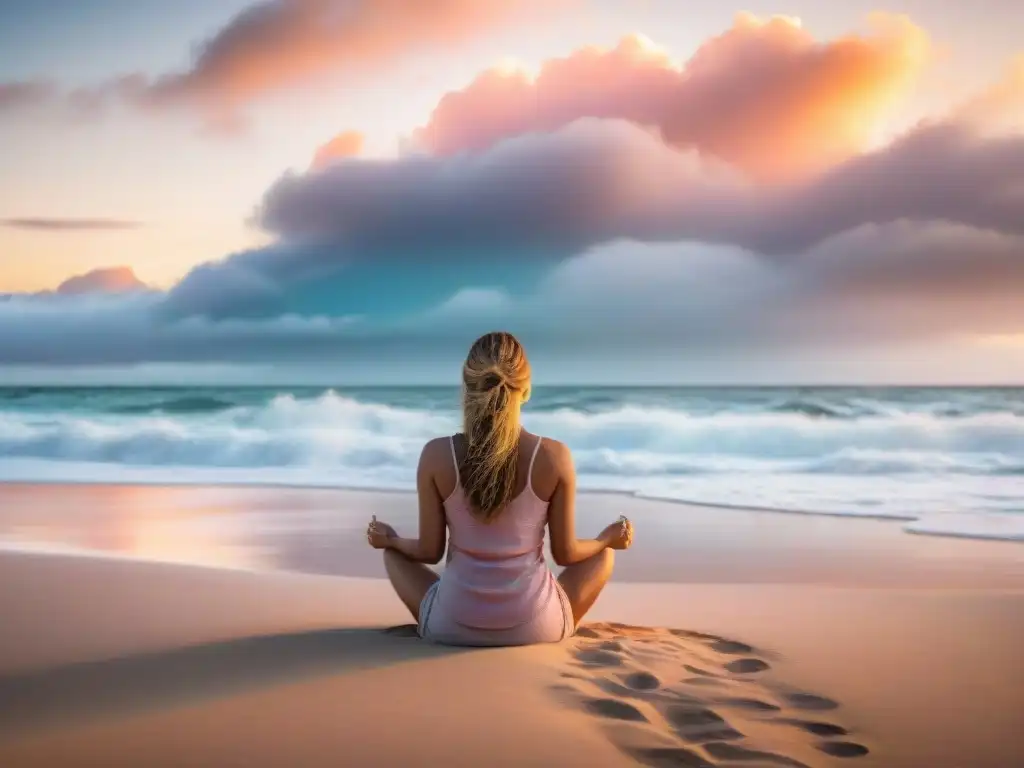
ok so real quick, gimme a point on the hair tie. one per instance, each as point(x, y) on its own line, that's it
point(493, 379)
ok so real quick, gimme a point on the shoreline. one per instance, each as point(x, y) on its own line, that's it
point(1015, 537)
point(319, 531)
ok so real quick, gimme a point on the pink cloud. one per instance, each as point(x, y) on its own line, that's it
point(275, 46)
point(281, 44)
point(16, 94)
point(107, 280)
point(345, 144)
point(764, 96)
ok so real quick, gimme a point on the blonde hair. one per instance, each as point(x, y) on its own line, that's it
point(496, 382)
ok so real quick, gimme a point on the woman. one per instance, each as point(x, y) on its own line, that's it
point(495, 486)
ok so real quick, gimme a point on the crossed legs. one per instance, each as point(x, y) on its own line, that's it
point(581, 582)
point(411, 580)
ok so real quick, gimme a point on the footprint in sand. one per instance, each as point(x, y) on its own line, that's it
point(817, 728)
point(843, 749)
point(746, 666)
point(615, 709)
point(809, 701)
point(642, 681)
point(635, 685)
point(730, 646)
point(696, 725)
point(725, 751)
point(688, 713)
point(595, 657)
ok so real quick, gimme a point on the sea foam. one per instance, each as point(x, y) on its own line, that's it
point(947, 465)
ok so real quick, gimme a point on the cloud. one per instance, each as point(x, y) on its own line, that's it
point(69, 225)
point(507, 214)
point(107, 280)
point(764, 96)
point(896, 284)
point(1000, 104)
point(597, 235)
point(276, 46)
point(546, 195)
point(108, 329)
point(944, 171)
point(526, 192)
point(514, 210)
point(345, 144)
point(282, 43)
point(18, 94)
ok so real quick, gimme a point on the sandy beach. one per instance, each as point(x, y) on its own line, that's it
point(727, 638)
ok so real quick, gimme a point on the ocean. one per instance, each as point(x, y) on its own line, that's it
point(944, 461)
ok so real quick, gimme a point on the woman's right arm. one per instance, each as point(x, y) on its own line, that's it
point(566, 549)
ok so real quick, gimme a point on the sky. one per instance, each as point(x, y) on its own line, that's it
point(645, 191)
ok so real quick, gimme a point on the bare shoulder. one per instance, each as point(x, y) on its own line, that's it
point(436, 453)
point(556, 453)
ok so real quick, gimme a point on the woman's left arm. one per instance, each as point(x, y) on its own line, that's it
point(429, 546)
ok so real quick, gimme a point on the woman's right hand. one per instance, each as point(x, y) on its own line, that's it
point(378, 534)
point(618, 535)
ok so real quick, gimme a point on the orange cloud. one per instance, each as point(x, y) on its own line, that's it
point(107, 280)
point(764, 96)
point(282, 44)
point(345, 144)
point(1000, 340)
point(1000, 103)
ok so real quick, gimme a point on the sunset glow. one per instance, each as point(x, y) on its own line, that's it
point(316, 162)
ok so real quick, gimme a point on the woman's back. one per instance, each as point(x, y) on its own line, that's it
point(496, 576)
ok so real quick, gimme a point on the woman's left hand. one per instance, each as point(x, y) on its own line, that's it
point(378, 534)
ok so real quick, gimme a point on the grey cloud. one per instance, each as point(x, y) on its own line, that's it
point(109, 329)
point(534, 201)
point(49, 224)
point(897, 283)
point(529, 192)
point(599, 180)
point(625, 297)
point(940, 171)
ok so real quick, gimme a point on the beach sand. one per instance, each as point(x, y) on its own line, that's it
point(752, 639)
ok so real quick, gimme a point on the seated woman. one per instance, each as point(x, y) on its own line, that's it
point(495, 487)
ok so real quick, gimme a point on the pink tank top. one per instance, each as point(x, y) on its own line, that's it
point(496, 577)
